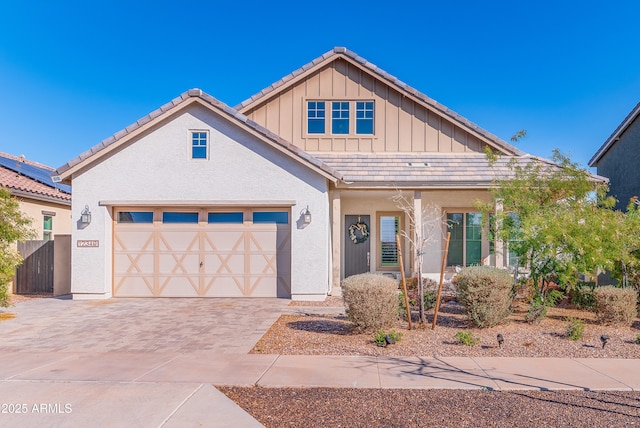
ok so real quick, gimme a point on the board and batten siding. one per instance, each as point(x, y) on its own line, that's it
point(401, 124)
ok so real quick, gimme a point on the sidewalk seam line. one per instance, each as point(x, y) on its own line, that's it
point(40, 367)
point(603, 374)
point(486, 374)
point(266, 370)
point(180, 405)
point(155, 368)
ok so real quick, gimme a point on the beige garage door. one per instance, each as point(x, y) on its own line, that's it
point(162, 253)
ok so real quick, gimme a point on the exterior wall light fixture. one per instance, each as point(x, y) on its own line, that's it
point(306, 216)
point(85, 216)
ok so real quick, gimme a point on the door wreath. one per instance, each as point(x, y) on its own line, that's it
point(363, 235)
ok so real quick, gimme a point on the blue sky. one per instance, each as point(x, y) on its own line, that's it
point(74, 73)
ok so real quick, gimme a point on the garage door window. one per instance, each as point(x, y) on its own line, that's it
point(178, 217)
point(135, 217)
point(278, 217)
point(228, 218)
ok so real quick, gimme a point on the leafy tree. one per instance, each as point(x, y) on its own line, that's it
point(14, 226)
point(557, 220)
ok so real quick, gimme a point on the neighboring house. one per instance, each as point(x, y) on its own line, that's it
point(619, 159)
point(48, 204)
point(285, 195)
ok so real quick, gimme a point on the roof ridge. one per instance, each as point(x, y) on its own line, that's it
point(382, 74)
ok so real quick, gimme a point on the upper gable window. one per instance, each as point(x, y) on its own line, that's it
point(364, 117)
point(315, 117)
point(340, 117)
point(199, 140)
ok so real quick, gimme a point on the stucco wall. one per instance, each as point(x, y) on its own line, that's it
point(372, 202)
point(158, 167)
point(61, 219)
point(621, 164)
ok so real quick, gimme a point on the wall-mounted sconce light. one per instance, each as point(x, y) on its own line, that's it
point(85, 216)
point(306, 216)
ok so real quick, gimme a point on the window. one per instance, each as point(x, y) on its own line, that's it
point(388, 227)
point(278, 217)
point(135, 217)
point(465, 244)
point(315, 117)
point(179, 217)
point(340, 117)
point(198, 145)
point(47, 228)
point(364, 117)
point(235, 218)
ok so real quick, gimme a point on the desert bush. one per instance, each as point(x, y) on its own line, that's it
point(467, 338)
point(486, 293)
point(371, 301)
point(615, 306)
point(574, 329)
point(582, 295)
point(383, 338)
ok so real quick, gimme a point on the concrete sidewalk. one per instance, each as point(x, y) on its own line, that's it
point(142, 389)
point(156, 362)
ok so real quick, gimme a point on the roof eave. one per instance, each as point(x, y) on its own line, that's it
point(615, 136)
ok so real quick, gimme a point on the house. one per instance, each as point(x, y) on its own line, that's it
point(48, 204)
point(619, 159)
point(285, 194)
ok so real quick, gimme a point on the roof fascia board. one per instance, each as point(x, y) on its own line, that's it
point(38, 197)
point(198, 203)
point(615, 136)
point(106, 147)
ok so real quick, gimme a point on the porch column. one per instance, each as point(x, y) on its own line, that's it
point(498, 244)
point(417, 218)
point(336, 235)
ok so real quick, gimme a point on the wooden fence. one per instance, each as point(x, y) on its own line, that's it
point(35, 274)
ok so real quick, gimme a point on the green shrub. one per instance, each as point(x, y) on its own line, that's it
point(381, 336)
point(615, 306)
point(539, 304)
point(575, 328)
point(371, 301)
point(467, 338)
point(637, 340)
point(486, 293)
point(582, 295)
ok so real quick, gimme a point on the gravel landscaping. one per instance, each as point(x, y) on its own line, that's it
point(331, 334)
point(331, 407)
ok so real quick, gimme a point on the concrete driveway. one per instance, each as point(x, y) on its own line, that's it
point(228, 326)
point(130, 362)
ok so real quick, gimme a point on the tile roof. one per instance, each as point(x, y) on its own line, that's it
point(24, 186)
point(436, 170)
point(615, 136)
point(383, 75)
point(221, 107)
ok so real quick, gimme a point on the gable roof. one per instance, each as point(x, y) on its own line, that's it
point(29, 179)
point(615, 136)
point(376, 72)
point(187, 98)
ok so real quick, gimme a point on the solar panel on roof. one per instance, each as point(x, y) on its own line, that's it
point(41, 175)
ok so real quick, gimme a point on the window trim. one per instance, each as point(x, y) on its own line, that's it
point(191, 145)
point(324, 119)
point(372, 119)
point(483, 236)
point(379, 215)
point(47, 234)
